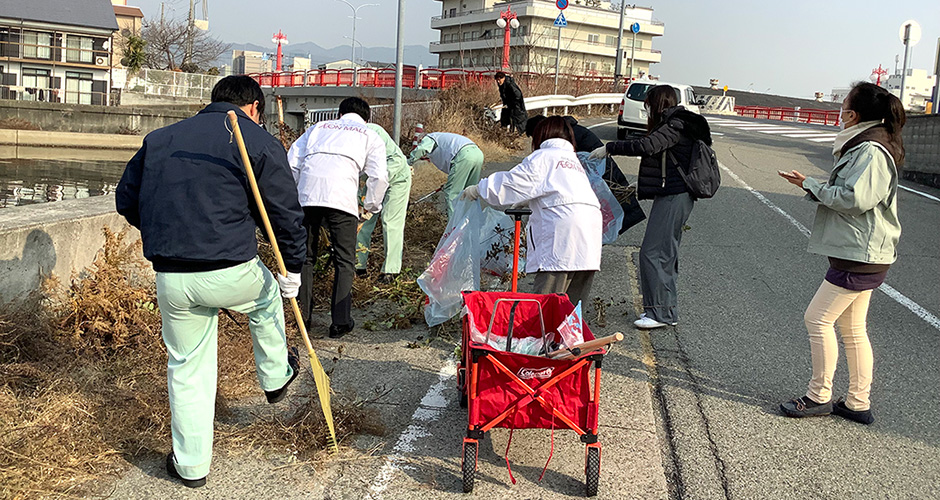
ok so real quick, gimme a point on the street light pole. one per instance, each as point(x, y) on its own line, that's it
point(618, 64)
point(353, 44)
point(507, 19)
point(399, 67)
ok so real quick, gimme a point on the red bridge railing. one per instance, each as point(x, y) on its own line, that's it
point(802, 115)
point(433, 79)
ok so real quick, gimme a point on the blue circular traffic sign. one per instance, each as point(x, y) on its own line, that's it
point(561, 4)
point(635, 27)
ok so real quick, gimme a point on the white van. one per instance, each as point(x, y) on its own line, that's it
point(632, 117)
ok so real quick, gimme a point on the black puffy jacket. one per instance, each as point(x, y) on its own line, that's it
point(677, 132)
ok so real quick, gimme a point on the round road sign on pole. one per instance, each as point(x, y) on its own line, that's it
point(914, 34)
point(635, 27)
point(561, 4)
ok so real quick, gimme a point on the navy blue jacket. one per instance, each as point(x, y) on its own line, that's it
point(187, 191)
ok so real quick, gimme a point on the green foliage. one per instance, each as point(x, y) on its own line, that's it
point(135, 53)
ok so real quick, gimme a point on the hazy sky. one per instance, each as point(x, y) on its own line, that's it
point(792, 48)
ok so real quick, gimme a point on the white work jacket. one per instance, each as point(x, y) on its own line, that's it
point(328, 159)
point(566, 227)
point(440, 148)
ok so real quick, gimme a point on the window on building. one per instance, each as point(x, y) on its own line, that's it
point(522, 30)
point(611, 41)
point(452, 13)
point(590, 66)
point(38, 85)
point(78, 87)
point(474, 35)
point(37, 45)
point(466, 36)
point(593, 38)
point(486, 35)
point(79, 49)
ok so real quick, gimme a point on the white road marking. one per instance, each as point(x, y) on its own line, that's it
point(823, 139)
point(778, 130)
point(428, 411)
point(601, 124)
point(925, 195)
point(806, 135)
point(888, 290)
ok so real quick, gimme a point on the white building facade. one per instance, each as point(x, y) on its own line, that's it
point(918, 88)
point(470, 39)
point(57, 51)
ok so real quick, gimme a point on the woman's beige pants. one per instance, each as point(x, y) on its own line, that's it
point(835, 306)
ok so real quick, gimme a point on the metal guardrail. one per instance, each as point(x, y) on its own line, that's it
point(378, 112)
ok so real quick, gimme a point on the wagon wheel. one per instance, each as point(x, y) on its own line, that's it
point(592, 470)
point(469, 465)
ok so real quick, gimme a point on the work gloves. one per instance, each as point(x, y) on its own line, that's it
point(289, 284)
point(472, 193)
point(364, 215)
point(598, 153)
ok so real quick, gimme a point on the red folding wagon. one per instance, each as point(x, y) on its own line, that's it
point(508, 389)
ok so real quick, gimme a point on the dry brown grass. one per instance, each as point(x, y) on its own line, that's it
point(18, 124)
point(83, 385)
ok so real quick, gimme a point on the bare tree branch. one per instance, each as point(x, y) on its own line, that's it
point(166, 41)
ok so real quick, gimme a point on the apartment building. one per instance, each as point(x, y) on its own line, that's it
point(470, 38)
point(56, 51)
point(918, 88)
point(246, 62)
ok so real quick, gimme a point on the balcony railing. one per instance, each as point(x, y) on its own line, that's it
point(502, 6)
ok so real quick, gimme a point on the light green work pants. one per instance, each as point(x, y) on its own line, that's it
point(464, 172)
point(394, 209)
point(189, 306)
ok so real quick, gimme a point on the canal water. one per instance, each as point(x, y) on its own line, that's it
point(30, 181)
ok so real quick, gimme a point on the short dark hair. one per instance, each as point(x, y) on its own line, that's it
point(355, 105)
point(239, 90)
point(531, 123)
point(553, 127)
point(498, 75)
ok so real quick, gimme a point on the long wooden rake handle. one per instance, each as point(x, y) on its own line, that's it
point(246, 160)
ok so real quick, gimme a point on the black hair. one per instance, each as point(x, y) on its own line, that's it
point(239, 90)
point(658, 99)
point(872, 102)
point(553, 127)
point(498, 75)
point(355, 105)
point(531, 123)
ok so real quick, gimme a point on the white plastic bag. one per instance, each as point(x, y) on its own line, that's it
point(497, 237)
point(455, 265)
point(611, 211)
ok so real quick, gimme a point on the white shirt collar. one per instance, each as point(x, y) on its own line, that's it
point(352, 117)
point(556, 143)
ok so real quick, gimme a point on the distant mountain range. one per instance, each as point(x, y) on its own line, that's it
point(414, 54)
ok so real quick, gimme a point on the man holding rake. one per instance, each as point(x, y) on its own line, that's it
point(188, 193)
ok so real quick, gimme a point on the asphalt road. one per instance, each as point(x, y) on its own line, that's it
point(741, 348)
point(687, 412)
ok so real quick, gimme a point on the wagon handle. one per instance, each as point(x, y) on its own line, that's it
point(489, 329)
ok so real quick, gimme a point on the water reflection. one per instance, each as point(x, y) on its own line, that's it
point(25, 182)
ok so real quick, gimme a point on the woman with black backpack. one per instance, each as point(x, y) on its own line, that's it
point(668, 146)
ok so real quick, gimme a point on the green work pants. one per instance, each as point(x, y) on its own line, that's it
point(189, 306)
point(464, 172)
point(394, 209)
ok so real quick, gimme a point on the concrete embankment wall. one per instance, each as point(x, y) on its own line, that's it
point(51, 116)
point(922, 149)
point(60, 238)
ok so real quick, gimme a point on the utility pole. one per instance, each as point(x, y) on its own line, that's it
point(399, 69)
point(557, 59)
point(907, 48)
point(190, 33)
point(936, 82)
point(618, 64)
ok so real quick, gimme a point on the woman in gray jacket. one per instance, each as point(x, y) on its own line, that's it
point(857, 228)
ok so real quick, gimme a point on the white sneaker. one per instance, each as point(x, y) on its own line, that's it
point(647, 323)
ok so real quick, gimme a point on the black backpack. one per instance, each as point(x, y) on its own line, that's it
point(702, 176)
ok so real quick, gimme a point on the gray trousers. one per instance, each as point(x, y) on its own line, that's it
point(659, 256)
point(577, 284)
